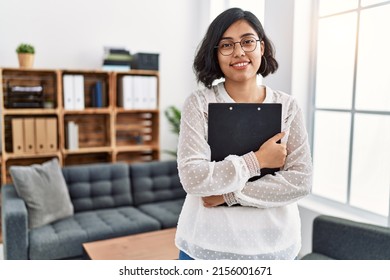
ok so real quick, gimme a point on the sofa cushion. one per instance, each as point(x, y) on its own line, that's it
point(155, 182)
point(63, 239)
point(166, 212)
point(43, 189)
point(98, 186)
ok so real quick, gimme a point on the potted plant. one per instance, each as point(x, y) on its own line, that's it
point(173, 115)
point(25, 55)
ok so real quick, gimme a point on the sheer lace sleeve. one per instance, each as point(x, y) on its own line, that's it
point(198, 175)
point(292, 182)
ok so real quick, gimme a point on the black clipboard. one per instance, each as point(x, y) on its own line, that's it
point(238, 128)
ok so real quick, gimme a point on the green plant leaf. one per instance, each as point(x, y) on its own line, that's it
point(25, 48)
point(173, 115)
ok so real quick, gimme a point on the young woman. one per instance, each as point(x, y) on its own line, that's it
point(267, 225)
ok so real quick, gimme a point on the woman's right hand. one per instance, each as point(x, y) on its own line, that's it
point(272, 154)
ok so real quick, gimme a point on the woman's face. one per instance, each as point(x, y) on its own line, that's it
point(240, 66)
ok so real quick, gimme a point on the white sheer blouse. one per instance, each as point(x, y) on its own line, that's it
point(268, 224)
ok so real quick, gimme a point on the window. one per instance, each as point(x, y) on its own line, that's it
point(351, 107)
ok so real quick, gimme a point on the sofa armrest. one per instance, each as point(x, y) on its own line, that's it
point(14, 224)
point(349, 240)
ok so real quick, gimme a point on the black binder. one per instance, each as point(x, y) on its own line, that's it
point(238, 128)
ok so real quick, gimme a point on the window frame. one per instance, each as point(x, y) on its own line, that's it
point(346, 207)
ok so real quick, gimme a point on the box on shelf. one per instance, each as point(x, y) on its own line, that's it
point(145, 61)
point(19, 96)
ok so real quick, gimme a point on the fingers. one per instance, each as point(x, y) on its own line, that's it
point(278, 136)
point(272, 154)
point(205, 204)
point(212, 201)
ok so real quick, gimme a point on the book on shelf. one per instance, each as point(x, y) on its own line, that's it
point(138, 92)
point(45, 134)
point(116, 68)
point(17, 136)
point(51, 134)
point(121, 65)
point(29, 135)
point(78, 83)
point(97, 97)
point(116, 50)
point(40, 135)
point(116, 59)
point(72, 135)
point(34, 135)
point(125, 97)
point(152, 92)
point(73, 92)
point(116, 62)
point(67, 81)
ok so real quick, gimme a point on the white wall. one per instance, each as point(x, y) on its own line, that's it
point(278, 25)
point(72, 34)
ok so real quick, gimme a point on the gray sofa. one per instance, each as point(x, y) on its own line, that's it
point(109, 200)
point(341, 239)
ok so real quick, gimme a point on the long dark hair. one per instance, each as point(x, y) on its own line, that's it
point(206, 65)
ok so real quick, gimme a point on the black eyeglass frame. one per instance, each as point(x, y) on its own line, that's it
point(234, 46)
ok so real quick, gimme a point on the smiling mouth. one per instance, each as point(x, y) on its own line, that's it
point(240, 64)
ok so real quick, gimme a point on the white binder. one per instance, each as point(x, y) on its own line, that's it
point(72, 136)
point(78, 83)
point(152, 92)
point(127, 92)
point(68, 92)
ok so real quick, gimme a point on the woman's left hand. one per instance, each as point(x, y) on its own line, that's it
point(212, 201)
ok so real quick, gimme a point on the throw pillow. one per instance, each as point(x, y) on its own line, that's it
point(43, 189)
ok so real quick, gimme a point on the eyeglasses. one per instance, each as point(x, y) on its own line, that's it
point(226, 47)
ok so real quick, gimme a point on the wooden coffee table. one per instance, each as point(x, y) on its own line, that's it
point(154, 245)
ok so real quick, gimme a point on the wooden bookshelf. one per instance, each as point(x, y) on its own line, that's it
point(108, 133)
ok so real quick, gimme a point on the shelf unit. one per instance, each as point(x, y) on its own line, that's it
point(129, 124)
point(109, 133)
